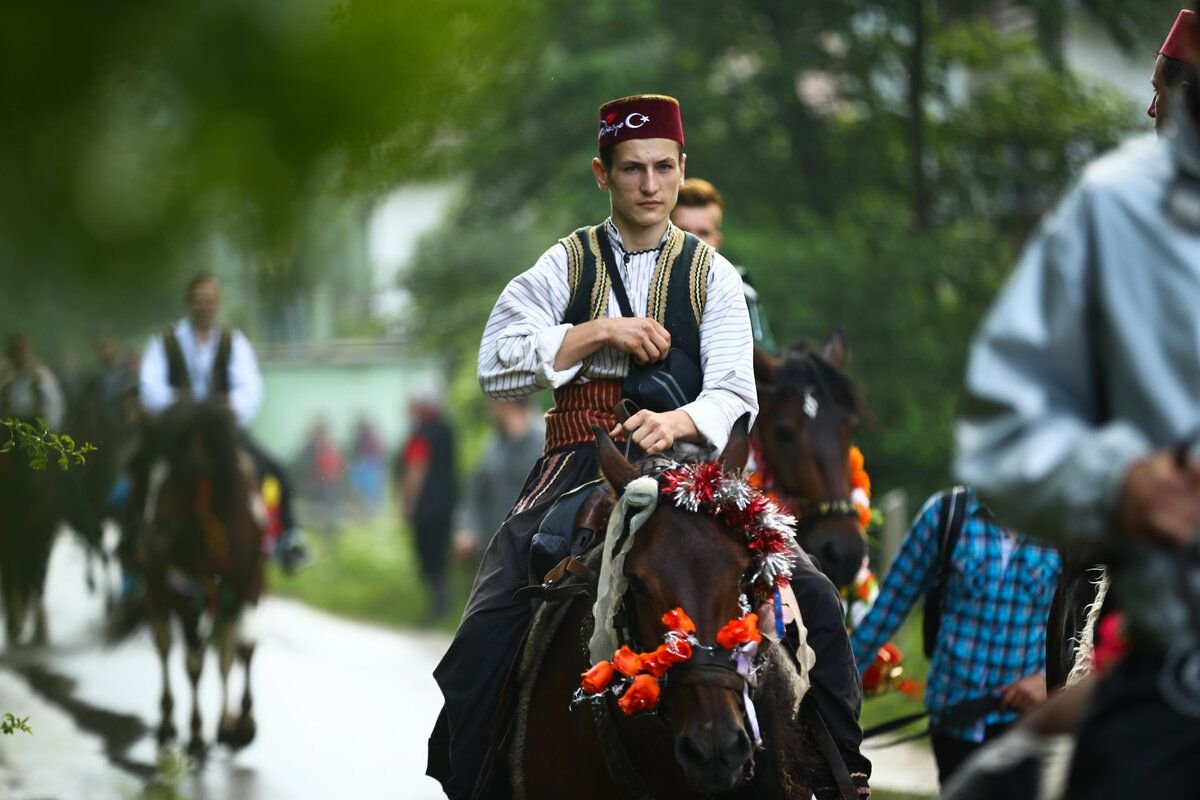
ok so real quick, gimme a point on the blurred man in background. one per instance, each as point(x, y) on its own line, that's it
point(700, 211)
point(199, 360)
point(426, 474)
point(28, 389)
point(1080, 426)
point(515, 447)
point(1175, 70)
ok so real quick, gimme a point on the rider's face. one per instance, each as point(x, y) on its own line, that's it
point(644, 181)
point(203, 303)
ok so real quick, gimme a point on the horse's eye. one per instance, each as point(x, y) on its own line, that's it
point(784, 435)
point(635, 584)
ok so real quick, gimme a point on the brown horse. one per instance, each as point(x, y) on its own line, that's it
point(28, 522)
point(200, 553)
point(808, 409)
point(699, 742)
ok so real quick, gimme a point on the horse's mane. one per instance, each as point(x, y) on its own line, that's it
point(804, 367)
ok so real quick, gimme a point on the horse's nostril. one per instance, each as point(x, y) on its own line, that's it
point(690, 752)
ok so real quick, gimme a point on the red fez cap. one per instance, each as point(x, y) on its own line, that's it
point(1176, 45)
point(642, 116)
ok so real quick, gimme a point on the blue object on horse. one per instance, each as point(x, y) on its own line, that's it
point(778, 614)
point(553, 540)
point(118, 495)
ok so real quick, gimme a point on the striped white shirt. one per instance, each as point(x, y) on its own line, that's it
point(525, 331)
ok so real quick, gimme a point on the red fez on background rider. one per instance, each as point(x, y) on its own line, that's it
point(1177, 45)
point(643, 116)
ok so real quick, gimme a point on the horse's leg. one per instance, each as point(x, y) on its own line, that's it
point(226, 650)
point(38, 604)
point(161, 625)
point(195, 666)
point(245, 636)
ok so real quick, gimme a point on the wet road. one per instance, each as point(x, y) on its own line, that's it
point(343, 709)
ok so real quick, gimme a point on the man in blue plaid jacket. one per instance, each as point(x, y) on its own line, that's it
point(992, 639)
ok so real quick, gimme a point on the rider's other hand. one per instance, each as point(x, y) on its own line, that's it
point(643, 338)
point(655, 432)
point(1161, 502)
point(464, 545)
point(1026, 693)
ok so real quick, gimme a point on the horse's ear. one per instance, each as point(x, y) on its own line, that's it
point(613, 465)
point(837, 349)
point(766, 366)
point(737, 449)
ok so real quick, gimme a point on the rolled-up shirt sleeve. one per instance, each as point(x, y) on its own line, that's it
point(1030, 439)
point(727, 358)
point(525, 331)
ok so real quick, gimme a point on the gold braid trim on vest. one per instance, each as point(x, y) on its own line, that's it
point(702, 261)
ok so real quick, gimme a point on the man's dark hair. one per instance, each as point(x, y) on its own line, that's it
point(197, 279)
point(1176, 71)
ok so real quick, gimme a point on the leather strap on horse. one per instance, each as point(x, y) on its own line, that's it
point(552, 590)
point(624, 774)
point(829, 750)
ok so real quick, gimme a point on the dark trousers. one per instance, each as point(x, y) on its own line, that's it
point(1133, 741)
point(473, 671)
point(950, 751)
point(836, 684)
point(265, 464)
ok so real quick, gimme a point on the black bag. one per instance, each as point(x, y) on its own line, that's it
point(660, 385)
point(950, 525)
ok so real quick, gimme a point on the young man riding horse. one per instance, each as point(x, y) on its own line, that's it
point(561, 325)
point(199, 360)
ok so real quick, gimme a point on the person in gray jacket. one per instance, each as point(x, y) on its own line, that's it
point(1083, 393)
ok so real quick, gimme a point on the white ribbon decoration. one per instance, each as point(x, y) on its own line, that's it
point(638, 502)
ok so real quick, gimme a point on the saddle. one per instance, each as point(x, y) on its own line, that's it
point(574, 524)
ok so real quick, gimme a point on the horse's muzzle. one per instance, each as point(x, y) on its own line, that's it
point(713, 758)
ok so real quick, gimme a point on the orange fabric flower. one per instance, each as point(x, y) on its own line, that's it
point(627, 662)
point(658, 662)
point(856, 459)
point(678, 650)
point(677, 620)
point(597, 679)
point(739, 631)
point(864, 516)
point(642, 695)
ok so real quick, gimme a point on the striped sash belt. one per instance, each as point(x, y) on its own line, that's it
point(577, 407)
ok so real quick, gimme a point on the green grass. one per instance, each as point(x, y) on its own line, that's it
point(884, 794)
point(894, 704)
point(369, 571)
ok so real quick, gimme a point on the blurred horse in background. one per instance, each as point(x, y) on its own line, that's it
point(808, 409)
point(199, 550)
point(28, 523)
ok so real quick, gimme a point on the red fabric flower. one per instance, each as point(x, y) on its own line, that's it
point(739, 631)
point(882, 674)
point(627, 662)
point(678, 650)
point(677, 620)
point(642, 695)
point(597, 679)
point(1112, 643)
point(658, 662)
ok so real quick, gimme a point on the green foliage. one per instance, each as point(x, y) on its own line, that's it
point(40, 443)
point(135, 134)
point(807, 138)
point(10, 724)
point(171, 769)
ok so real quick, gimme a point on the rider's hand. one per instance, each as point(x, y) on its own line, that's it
point(1026, 693)
point(642, 337)
point(655, 432)
point(1161, 502)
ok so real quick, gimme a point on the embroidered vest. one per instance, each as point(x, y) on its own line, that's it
point(678, 285)
point(178, 377)
point(678, 293)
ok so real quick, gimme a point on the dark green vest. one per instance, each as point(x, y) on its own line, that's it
point(678, 286)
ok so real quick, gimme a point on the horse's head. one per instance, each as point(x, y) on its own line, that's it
point(690, 560)
point(808, 408)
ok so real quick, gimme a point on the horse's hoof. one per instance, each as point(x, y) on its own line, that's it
point(237, 736)
point(166, 733)
point(197, 750)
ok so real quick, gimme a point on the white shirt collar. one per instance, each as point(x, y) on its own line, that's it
point(614, 236)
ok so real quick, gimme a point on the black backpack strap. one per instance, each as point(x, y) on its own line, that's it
point(951, 517)
point(614, 274)
point(177, 374)
point(220, 377)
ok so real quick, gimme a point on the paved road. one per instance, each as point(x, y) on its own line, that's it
point(343, 710)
